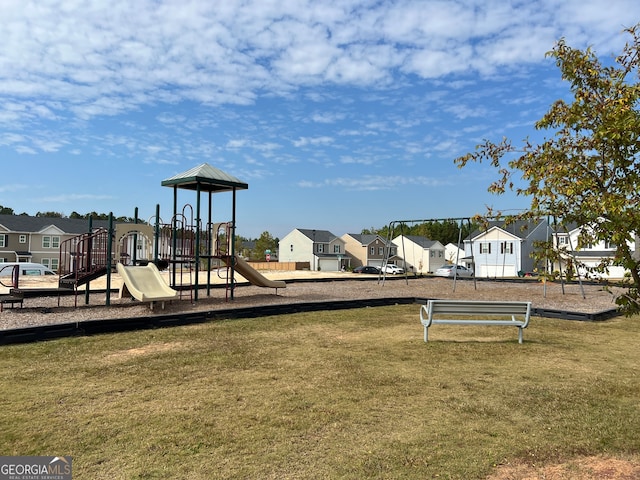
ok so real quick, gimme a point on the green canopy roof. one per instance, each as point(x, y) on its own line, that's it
point(209, 178)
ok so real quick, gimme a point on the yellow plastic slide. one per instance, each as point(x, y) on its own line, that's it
point(144, 283)
point(252, 275)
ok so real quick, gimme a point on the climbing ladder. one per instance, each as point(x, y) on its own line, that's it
point(83, 258)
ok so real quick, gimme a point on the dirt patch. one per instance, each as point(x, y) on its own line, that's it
point(583, 468)
point(153, 348)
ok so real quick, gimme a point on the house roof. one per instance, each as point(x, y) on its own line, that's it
point(365, 239)
point(520, 228)
point(28, 224)
point(321, 236)
point(207, 178)
point(423, 242)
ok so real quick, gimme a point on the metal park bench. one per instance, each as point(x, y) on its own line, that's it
point(471, 312)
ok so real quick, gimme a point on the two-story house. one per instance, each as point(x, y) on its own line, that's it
point(37, 239)
point(368, 249)
point(503, 250)
point(322, 249)
point(420, 254)
point(585, 259)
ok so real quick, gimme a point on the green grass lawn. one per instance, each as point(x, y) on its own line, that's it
point(344, 394)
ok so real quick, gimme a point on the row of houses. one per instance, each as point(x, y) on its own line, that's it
point(495, 251)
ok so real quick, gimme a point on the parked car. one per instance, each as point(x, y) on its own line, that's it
point(393, 269)
point(366, 269)
point(6, 269)
point(454, 271)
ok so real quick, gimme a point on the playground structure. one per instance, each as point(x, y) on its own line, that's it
point(140, 250)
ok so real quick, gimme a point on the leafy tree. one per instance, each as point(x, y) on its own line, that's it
point(444, 231)
point(265, 242)
point(240, 246)
point(6, 211)
point(50, 214)
point(588, 172)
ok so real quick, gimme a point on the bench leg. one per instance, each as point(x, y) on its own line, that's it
point(426, 334)
point(520, 329)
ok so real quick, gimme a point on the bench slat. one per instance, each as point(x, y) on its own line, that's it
point(458, 321)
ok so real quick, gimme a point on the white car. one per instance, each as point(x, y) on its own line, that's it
point(454, 271)
point(393, 269)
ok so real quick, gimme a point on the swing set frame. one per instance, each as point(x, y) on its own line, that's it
point(402, 224)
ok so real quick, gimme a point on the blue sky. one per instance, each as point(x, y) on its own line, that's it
point(340, 115)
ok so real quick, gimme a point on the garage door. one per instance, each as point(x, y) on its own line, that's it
point(497, 271)
point(328, 265)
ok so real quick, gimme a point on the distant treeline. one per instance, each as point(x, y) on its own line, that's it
point(95, 215)
point(445, 231)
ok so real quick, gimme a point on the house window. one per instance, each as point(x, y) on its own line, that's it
point(372, 250)
point(506, 247)
point(22, 239)
point(440, 253)
point(320, 248)
point(51, 263)
point(336, 249)
point(291, 247)
point(562, 240)
point(50, 242)
point(381, 251)
point(3, 242)
point(485, 247)
point(432, 254)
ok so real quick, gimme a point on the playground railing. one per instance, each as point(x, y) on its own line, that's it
point(83, 257)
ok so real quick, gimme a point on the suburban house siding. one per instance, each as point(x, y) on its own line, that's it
point(366, 249)
point(321, 248)
point(504, 250)
point(588, 257)
point(420, 254)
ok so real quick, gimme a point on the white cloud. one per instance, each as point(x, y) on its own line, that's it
point(306, 141)
point(238, 143)
point(327, 117)
point(23, 149)
point(104, 58)
point(14, 187)
point(373, 182)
